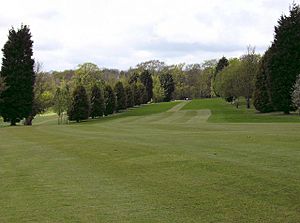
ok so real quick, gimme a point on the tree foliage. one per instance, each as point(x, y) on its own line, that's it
point(247, 74)
point(167, 82)
point(87, 75)
point(129, 95)
point(227, 83)
point(44, 89)
point(120, 96)
point(262, 92)
point(222, 63)
point(80, 106)
point(97, 102)
point(158, 90)
point(17, 69)
point(146, 80)
point(284, 60)
point(62, 101)
point(110, 100)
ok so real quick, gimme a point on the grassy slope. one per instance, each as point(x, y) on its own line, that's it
point(165, 167)
point(225, 112)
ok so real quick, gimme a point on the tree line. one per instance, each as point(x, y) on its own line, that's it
point(269, 82)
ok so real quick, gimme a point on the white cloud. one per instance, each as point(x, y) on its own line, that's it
point(120, 34)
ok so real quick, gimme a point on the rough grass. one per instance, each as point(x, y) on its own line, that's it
point(226, 112)
point(164, 166)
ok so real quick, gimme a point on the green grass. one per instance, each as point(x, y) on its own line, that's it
point(226, 112)
point(157, 163)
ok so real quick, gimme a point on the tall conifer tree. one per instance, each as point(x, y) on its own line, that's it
point(17, 69)
point(97, 102)
point(147, 81)
point(110, 100)
point(284, 63)
point(80, 106)
point(120, 96)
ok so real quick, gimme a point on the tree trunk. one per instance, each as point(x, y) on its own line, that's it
point(13, 122)
point(286, 112)
point(237, 102)
point(248, 102)
point(28, 120)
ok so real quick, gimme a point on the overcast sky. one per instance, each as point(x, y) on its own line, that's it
point(122, 33)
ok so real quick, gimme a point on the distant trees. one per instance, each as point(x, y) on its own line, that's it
point(97, 102)
point(281, 64)
point(296, 94)
point(227, 83)
point(167, 82)
point(129, 96)
point(87, 75)
point(158, 90)
point(120, 94)
point(238, 78)
point(43, 93)
point(80, 107)
point(146, 80)
point(17, 69)
point(62, 101)
point(110, 100)
point(262, 92)
point(247, 74)
point(222, 63)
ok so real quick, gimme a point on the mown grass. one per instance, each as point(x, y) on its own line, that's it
point(226, 112)
point(166, 166)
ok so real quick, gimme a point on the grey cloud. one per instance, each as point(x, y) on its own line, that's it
point(47, 15)
point(48, 45)
point(185, 47)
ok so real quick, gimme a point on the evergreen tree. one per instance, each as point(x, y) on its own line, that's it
point(223, 62)
point(136, 94)
point(262, 99)
point(80, 106)
point(284, 63)
point(129, 96)
point(97, 102)
point(110, 100)
point(142, 93)
point(17, 69)
point(168, 85)
point(147, 81)
point(2, 85)
point(120, 96)
point(133, 78)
